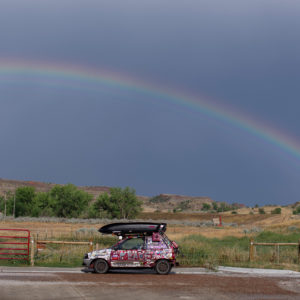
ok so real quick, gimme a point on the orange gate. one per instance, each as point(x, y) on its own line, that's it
point(14, 244)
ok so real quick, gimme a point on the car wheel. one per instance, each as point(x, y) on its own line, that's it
point(101, 266)
point(163, 267)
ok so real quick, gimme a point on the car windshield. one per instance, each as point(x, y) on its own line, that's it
point(131, 244)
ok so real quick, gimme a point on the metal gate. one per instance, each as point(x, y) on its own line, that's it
point(14, 244)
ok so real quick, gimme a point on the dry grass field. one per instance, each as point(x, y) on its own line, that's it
point(175, 231)
point(51, 230)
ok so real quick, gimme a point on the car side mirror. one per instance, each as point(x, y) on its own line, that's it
point(115, 247)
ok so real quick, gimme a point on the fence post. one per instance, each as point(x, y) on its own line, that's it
point(32, 252)
point(251, 248)
point(62, 252)
point(299, 252)
point(277, 253)
point(91, 245)
point(97, 246)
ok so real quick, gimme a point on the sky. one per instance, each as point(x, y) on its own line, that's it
point(113, 93)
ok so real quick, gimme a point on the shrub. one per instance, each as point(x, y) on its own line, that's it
point(183, 205)
point(297, 211)
point(159, 199)
point(276, 211)
point(215, 206)
point(261, 211)
point(206, 206)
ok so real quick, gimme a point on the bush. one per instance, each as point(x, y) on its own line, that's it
point(276, 211)
point(215, 206)
point(206, 206)
point(297, 211)
point(183, 205)
point(261, 211)
point(159, 199)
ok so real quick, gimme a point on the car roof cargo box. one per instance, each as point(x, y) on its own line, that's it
point(133, 228)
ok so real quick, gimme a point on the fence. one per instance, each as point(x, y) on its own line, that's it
point(252, 249)
point(40, 245)
point(14, 246)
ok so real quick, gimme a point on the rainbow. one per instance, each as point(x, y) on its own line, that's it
point(60, 74)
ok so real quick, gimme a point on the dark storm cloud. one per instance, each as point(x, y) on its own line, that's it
point(243, 54)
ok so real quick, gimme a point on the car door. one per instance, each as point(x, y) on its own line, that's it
point(128, 253)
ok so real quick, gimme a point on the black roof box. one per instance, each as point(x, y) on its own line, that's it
point(133, 228)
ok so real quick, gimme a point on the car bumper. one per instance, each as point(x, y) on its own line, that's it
point(86, 262)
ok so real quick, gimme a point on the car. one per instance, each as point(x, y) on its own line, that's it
point(141, 245)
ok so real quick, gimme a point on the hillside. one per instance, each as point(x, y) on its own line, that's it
point(167, 202)
point(163, 202)
point(7, 185)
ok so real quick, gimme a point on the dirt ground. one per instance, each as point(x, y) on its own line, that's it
point(141, 286)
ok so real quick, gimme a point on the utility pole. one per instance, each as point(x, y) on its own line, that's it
point(4, 205)
point(14, 205)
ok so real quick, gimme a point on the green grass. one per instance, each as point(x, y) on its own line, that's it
point(14, 263)
point(197, 250)
point(57, 255)
point(277, 237)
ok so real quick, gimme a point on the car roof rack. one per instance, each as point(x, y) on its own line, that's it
point(144, 228)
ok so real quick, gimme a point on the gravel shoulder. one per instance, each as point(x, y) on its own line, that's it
point(222, 271)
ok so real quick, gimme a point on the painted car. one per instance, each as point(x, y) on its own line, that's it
point(135, 250)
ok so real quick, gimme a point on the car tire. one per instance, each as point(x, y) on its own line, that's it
point(101, 266)
point(163, 267)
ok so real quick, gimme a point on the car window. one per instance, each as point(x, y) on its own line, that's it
point(155, 245)
point(132, 244)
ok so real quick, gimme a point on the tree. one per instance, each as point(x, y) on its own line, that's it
point(223, 207)
point(24, 200)
point(215, 205)
point(8, 201)
point(68, 202)
point(120, 203)
point(206, 206)
point(43, 205)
